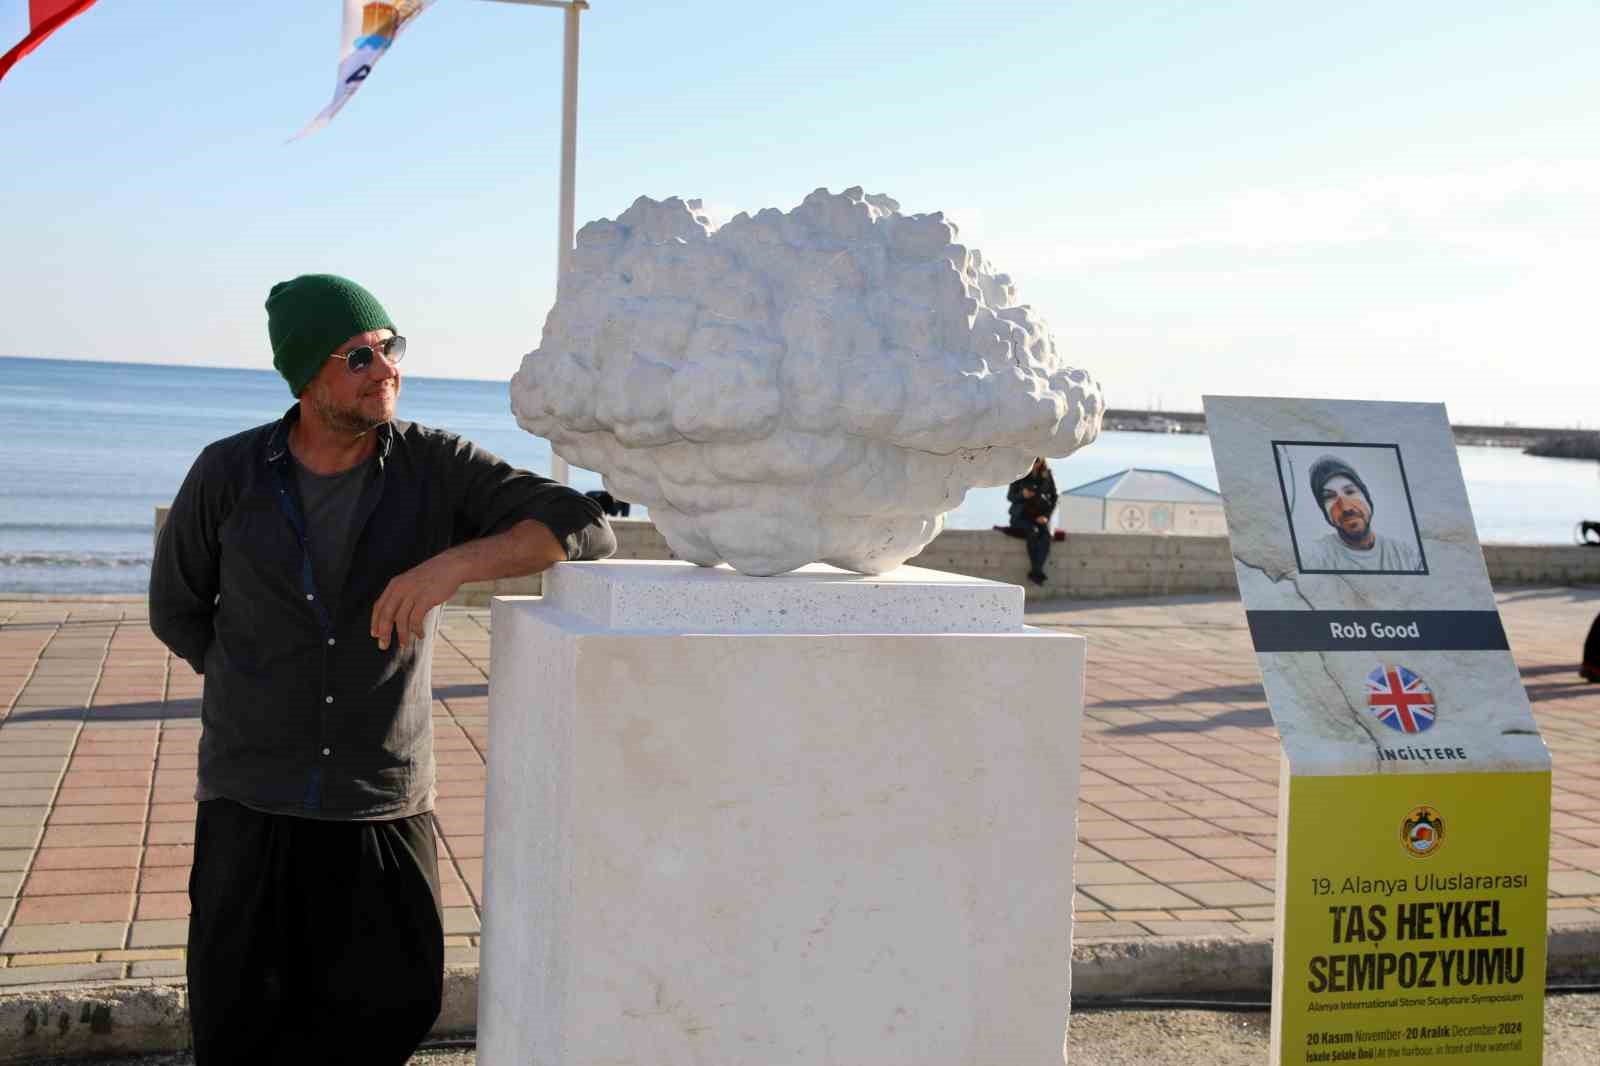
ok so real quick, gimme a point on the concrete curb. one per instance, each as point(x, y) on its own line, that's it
point(132, 1017)
point(152, 1014)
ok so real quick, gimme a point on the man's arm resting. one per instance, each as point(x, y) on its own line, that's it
point(526, 548)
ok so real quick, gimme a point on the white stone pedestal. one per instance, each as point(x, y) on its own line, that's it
point(803, 819)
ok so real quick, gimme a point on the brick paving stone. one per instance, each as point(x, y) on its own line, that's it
point(55, 958)
point(1146, 849)
point(1170, 871)
point(1107, 873)
point(1225, 847)
point(1574, 917)
point(1098, 831)
point(92, 836)
point(96, 814)
point(1574, 883)
point(170, 833)
point(98, 797)
point(80, 882)
point(466, 847)
point(1181, 928)
point(1206, 914)
point(86, 907)
point(1108, 931)
point(169, 855)
point(157, 968)
point(1134, 897)
point(18, 836)
point(1251, 869)
point(51, 975)
point(162, 905)
point(164, 879)
point(85, 858)
point(1224, 893)
point(140, 954)
point(1140, 916)
point(460, 920)
point(159, 933)
point(75, 936)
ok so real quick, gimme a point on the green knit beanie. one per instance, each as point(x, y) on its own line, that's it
point(310, 316)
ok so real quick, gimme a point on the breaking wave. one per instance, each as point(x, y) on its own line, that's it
point(105, 560)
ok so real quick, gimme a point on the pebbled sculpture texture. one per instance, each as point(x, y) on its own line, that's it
point(817, 385)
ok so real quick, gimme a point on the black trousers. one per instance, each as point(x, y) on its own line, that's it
point(311, 941)
point(1038, 537)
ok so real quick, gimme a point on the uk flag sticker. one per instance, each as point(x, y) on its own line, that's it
point(1400, 699)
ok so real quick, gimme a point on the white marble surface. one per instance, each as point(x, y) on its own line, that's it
point(1319, 700)
point(776, 848)
point(815, 385)
point(641, 596)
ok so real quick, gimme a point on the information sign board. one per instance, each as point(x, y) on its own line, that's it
point(1414, 806)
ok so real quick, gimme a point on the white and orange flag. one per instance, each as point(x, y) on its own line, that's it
point(369, 29)
point(44, 18)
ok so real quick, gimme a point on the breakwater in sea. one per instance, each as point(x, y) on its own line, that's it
point(1535, 440)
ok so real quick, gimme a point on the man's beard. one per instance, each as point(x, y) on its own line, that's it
point(346, 419)
point(1354, 540)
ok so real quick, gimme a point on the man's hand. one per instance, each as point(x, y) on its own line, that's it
point(526, 548)
point(1042, 519)
point(408, 598)
point(1027, 494)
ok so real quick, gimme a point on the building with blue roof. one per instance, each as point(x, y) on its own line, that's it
point(1142, 501)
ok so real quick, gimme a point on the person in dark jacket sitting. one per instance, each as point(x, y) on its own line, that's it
point(1033, 500)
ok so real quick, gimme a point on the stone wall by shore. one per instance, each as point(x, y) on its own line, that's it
point(1110, 565)
point(1094, 565)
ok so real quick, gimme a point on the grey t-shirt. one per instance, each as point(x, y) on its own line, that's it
point(1330, 552)
point(328, 502)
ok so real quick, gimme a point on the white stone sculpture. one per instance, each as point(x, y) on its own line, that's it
point(821, 385)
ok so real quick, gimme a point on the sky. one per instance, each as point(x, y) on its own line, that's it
point(1369, 200)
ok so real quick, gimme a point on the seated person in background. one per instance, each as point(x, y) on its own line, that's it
point(1033, 499)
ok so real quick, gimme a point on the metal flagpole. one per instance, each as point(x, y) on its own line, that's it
point(569, 154)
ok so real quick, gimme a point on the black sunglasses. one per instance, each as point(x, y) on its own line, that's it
point(358, 359)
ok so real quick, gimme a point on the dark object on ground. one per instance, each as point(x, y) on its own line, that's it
point(1060, 534)
point(1589, 669)
point(610, 504)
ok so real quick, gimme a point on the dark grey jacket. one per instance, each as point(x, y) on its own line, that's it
point(301, 711)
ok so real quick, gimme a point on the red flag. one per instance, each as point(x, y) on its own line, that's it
point(44, 18)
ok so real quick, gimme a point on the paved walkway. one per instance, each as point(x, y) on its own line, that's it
point(97, 763)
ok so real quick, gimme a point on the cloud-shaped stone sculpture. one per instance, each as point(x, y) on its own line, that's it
point(821, 385)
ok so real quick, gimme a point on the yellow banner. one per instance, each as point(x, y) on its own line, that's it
point(1414, 921)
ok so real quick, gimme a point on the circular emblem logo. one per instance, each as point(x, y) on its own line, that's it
point(1422, 831)
point(1132, 518)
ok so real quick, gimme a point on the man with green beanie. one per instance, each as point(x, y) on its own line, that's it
point(301, 571)
point(1347, 506)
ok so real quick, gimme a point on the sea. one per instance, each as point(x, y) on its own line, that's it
point(88, 450)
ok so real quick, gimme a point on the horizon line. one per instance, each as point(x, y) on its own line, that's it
point(268, 369)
